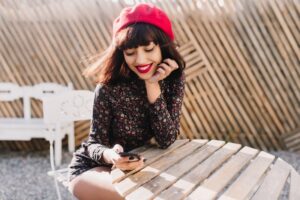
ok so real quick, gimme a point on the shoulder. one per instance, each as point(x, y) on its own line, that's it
point(101, 90)
point(177, 82)
point(110, 90)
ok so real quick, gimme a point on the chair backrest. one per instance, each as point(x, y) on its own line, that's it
point(72, 105)
point(41, 90)
point(10, 91)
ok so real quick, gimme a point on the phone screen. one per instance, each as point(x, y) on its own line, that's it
point(132, 156)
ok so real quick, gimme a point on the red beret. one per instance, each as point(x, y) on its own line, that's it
point(146, 13)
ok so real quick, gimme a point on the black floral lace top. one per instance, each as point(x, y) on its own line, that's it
point(122, 115)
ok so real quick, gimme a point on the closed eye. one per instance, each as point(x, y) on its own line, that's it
point(129, 53)
point(149, 50)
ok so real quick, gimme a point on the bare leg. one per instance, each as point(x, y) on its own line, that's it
point(94, 184)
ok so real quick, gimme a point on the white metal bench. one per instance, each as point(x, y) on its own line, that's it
point(70, 106)
point(26, 127)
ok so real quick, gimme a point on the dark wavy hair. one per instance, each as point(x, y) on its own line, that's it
point(111, 67)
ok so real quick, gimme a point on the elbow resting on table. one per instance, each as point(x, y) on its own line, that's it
point(166, 142)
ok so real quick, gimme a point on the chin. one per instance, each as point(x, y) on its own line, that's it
point(145, 76)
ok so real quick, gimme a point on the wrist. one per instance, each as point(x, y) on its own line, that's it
point(153, 91)
point(106, 156)
point(149, 83)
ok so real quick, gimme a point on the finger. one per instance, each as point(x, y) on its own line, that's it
point(118, 148)
point(161, 72)
point(159, 75)
point(172, 63)
point(166, 68)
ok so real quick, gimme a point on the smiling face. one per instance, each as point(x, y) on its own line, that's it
point(143, 60)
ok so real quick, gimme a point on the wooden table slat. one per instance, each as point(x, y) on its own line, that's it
point(168, 177)
point(130, 183)
point(246, 182)
point(217, 182)
point(274, 181)
point(151, 154)
point(185, 185)
point(294, 186)
point(201, 169)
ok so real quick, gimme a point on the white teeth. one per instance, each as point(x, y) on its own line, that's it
point(143, 68)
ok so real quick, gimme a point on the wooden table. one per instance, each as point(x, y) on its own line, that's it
point(201, 169)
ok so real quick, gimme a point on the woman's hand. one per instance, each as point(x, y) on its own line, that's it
point(164, 70)
point(124, 163)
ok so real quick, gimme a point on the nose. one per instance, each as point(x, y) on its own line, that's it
point(140, 58)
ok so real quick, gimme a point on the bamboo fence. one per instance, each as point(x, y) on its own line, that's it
point(242, 60)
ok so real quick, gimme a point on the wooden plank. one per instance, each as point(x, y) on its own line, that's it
point(292, 140)
point(218, 80)
point(45, 48)
point(217, 182)
point(196, 113)
point(59, 37)
point(151, 154)
point(287, 45)
point(244, 185)
point(247, 75)
point(243, 86)
point(171, 8)
point(289, 36)
point(192, 130)
point(87, 22)
point(171, 175)
point(191, 30)
point(262, 45)
point(130, 183)
point(287, 11)
point(211, 103)
point(294, 186)
point(187, 183)
point(263, 54)
point(209, 112)
point(254, 58)
point(274, 181)
point(194, 127)
point(226, 66)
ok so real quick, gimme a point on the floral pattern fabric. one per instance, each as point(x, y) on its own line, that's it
point(122, 115)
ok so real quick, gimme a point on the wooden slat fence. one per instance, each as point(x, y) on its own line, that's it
point(242, 59)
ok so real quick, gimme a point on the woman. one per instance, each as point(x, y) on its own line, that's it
point(140, 97)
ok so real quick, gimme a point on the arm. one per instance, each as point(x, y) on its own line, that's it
point(99, 138)
point(165, 114)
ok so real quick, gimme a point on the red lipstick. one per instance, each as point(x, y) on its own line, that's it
point(144, 68)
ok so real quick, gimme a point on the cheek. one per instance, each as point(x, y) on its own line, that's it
point(127, 60)
point(129, 64)
point(158, 56)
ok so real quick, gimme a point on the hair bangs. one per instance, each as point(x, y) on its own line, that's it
point(139, 34)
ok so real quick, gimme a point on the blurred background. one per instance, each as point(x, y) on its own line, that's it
point(242, 60)
point(243, 73)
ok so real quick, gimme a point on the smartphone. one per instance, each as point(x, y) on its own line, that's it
point(132, 156)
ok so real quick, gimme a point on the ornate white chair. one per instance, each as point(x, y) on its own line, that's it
point(27, 127)
point(69, 107)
